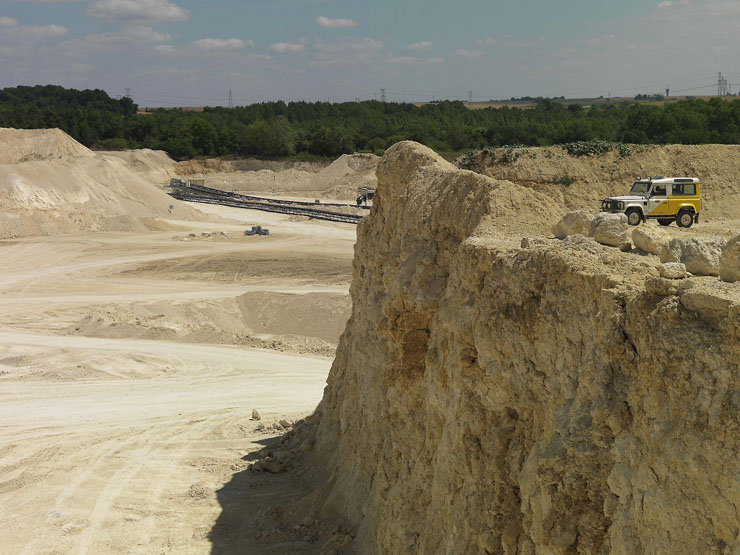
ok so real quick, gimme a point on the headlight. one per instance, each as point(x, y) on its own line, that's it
point(621, 205)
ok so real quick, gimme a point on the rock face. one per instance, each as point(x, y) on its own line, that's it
point(729, 263)
point(699, 254)
point(576, 222)
point(492, 399)
point(610, 229)
point(649, 239)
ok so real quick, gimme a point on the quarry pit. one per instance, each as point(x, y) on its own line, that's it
point(494, 390)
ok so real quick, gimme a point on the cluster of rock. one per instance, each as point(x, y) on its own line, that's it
point(607, 229)
point(699, 256)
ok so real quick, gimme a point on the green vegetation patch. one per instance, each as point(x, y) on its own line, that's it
point(326, 130)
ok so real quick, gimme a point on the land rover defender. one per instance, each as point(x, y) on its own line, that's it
point(666, 199)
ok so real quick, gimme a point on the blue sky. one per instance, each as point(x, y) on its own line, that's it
point(192, 52)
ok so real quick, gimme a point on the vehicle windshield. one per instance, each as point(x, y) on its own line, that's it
point(640, 188)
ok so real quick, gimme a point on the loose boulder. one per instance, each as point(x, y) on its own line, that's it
point(610, 229)
point(649, 239)
point(729, 262)
point(672, 270)
point(700, 254)
point(576, 222)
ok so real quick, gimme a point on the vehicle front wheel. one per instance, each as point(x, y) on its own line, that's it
point(665, 221)
point(633, 216)
point(684, 219)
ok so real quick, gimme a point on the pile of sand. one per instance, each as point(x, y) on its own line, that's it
point(338, 180)
point(51, 184)
point(303, 323)
point(24, 145)
point(153, 165)
point(348, 172)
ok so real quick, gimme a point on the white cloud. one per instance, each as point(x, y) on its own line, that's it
point(259, 57)
point(665, 4)
point(468, 54)
point(403, 60)
point(145, 34)
point(8, 22)
point(165, 48)
point(420, 46)
point(435, 61)
point(287, 48)
point(487, 41)
point(350, 44)
point(219, 44)
point(332, 23)
point(138, 10)
point(37, 31)
point(136, 34)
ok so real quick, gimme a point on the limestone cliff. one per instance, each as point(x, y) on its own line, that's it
point(489, 398)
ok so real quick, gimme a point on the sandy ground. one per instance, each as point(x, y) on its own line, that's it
point(123, 433)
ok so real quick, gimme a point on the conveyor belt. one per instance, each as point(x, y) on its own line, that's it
point(225, 199)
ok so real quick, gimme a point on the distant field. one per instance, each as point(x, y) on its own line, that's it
point(582, 101)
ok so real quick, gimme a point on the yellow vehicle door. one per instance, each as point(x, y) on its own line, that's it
point(658, 201)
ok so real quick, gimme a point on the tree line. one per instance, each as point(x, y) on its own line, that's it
point(279, 129)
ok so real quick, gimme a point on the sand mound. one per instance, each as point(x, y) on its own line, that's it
point(581, 181)
point(51, 184)
point(199, 167)
point(320, 315)
point(339, 180)
point(306, 323)
point(348, 172)
point(153, 165)
point(23, 145)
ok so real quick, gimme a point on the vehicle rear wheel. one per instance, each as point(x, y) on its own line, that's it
point(633, 216)
point(666, 221)
point(684, 219)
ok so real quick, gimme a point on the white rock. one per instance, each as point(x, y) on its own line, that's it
point(699, 254)
point(610, 229)
point(649, 239)
point(672, 270)
point(729, 262)
point(578, 221)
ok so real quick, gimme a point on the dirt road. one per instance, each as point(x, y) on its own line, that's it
point(119, 444)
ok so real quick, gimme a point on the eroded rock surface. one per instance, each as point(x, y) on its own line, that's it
point(699, 254)
point(486, 398)
point(610, 229)
point(575, 222)
point(672, 270)
point(649, 239)
point(729, 263)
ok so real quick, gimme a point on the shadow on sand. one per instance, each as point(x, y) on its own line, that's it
point(242, 499)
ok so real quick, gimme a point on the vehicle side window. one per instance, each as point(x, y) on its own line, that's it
point(659, 191)
point(684, 189)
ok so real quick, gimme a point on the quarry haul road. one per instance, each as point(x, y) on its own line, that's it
point(120, 464)
point(128, 444)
